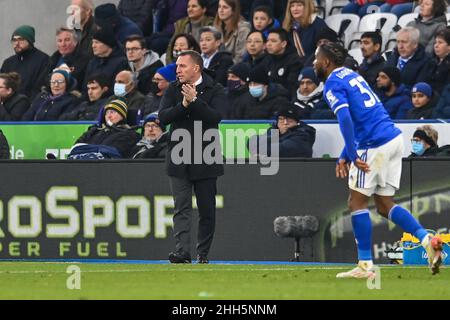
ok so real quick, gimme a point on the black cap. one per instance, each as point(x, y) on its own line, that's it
point(106, 15)
point(259, 75)
point(106, 36)
point(240, 70)
point(326, 33)
point(288, 111)
point(393, 74)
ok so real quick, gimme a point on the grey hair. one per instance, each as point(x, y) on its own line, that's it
point(414, 34)
point(216, 33)
point(71, 31)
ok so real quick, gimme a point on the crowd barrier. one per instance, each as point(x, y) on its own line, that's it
point(123, 210)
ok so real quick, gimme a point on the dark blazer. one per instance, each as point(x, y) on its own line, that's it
point(206, 110)
point(219, 66)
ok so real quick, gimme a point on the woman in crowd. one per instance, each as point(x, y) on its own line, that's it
point(12, 104)
point(181, 42)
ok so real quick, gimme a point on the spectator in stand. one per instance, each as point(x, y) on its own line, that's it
point(180, 43)
point(256, 49)
point(51, 106)
point(108, 59)
point(233, 27)
point(98, 89)
point(168, 13)
point(69, 55)
point(323, 36)
point(248, 7)
point(161, 81)
point(424, 101)
point(113, 131)
point(215, 63)
point(424, 142)
point(283, 64)
point(309, 100)
point(302, 23)
point(268, 97)
point(373, 61)
point(409, 56)
point(397, 7)
point(108, 17)
point(362, 7)
point(263, 20)
point(12, 104)
point(125, 88)
point(86, 29)
point(437, 70)
point(4, 147)
point(395, 96)
point(442, 109)
point(295, 138)
point(196, 19)
point(431, 19)
point(28, 61)
point(238, 94)
point(140, 12)
point(155, 140)
point(143, 62)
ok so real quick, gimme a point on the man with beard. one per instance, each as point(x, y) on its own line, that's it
point(371, 158)
point(395, 96)
point(373, 60)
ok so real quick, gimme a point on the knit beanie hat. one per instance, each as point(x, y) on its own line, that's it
point(106, 36)
point(288, 111)
point(106, 15)
point(154, 117)
point(118, 105)
point(26, 32)
point(241, 70)
point(326, 33)
point(308, 73)
point(423, 88)
point(393, 74)
point(168, 72)
point(423, 136)
point(259, 75)
point(67, 76)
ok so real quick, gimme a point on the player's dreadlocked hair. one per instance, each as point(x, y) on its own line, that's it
point(335, 53)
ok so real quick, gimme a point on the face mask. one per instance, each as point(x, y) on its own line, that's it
point(120, 89)
point(176, 54)
point(154, 88)
point(233, 84)
point(109, 123)
point(418, 148)
point(256, 92)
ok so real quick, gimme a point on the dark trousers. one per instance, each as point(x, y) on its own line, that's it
point(205, 192)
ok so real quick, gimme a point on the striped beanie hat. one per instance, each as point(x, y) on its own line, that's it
point(118, 105)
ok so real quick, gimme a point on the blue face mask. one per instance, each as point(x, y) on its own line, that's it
point(120, 89)
point(418, 148)
point(256, 92)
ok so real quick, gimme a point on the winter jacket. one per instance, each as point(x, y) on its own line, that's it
point(135, 100)
point(296, 142)
point(125, 28)
point(236, 43)
point(266, 108)
point(442, 109)
point(109, 66)
point(86, 111)
point(170, 12)
point(413, 67)
point(436, 73)
point(370, 68)
point(32, 66)
point(86, 37)
point(146, 149)
point(4, 147)
point(425, 112)
point(148, 70)
point(219, 66)
point(430, 152)
point(428, 29)
point(275, 25)
point(399, 104)
point(48, 108)
point(120, 136)
point(308, 35)
point(138, 11)
point(260, 60)
point(284, 69)
point(239, 101)
point(205, 109)
point(76, 61)
point(13, 108)
point(313, 106)
point(152, 103)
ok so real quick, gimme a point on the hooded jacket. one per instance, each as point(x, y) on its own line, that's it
point(140, 12)
point(148, 70)
point(428, 29)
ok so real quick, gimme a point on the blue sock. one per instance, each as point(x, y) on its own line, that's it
point(407, 222)
point(362, 229)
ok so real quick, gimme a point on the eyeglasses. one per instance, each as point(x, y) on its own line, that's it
point(415, 140)
point(132, 49)
point(151, 126)
point(57, 82)
point(157, 80)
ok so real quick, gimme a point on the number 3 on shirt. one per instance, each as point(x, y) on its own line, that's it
point(364, 89)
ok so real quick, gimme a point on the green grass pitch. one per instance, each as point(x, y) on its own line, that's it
point(26, 280)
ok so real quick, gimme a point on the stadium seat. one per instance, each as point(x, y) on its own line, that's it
point(336, 22)
point(406, 18)
point(373, 22)
point(401, 23)
point(357, 55)
point(448, 18)
point(332, 5)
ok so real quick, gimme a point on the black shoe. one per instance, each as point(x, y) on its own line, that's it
point(202, 260)
point(175, 257)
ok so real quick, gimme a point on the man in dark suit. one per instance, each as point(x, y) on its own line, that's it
point(192, 106)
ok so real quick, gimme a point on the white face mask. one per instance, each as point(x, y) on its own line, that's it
point(120, 89)
point(109, 123)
